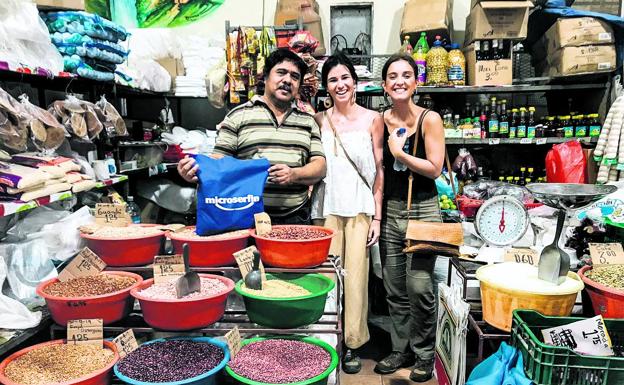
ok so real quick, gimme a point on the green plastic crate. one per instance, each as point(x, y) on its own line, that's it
point(553, 365)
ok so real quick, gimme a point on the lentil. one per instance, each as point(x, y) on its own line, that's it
point(115, 233)
point(296, 233)
point(609, 275)
point(172, 360)
point(209, 287)
point(277, 288)
point(280, 361)
point(57, 363)
point(89, 286)
point(191, 234)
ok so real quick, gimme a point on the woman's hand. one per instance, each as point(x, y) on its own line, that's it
point(396, 143)
point(187, 168)
point(374, 229)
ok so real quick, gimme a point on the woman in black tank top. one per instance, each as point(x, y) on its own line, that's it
point(408, 278)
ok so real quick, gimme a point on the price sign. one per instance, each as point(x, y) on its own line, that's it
point(168, 268)
point(244, 259)
point(588, 336)
point(263, 223)
point(111, 214)
point(126, 343)
point(526, 140)
point(527, 256)
point(84, 264)
point(494, 141)
point(541, 141)
point(606, 253)
point(85, 331)
point(233, 340)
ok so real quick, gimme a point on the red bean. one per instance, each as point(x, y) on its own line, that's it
point(292, 233)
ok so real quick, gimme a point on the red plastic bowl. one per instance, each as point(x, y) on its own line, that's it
point(134, 251)
point(606, 301)
point(181, 314)
point(209, 252)
point(294, 254)
point(100, 377)
point(109, 307)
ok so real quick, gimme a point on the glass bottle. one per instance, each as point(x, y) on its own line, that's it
point(513, 126)
point(503, 124)
point(580, 126)
point(493, 120)
point(522, 127)
point(568, 128)
point(594, 125)
point(531, 123)
point(485, 50)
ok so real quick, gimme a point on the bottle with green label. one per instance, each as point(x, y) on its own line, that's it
point(503, 121)
point(513, 126)
point(594, 125)
point(531, 123)
point(580, 126)
point(568, 127)
point(493, 120)
point(522, 124)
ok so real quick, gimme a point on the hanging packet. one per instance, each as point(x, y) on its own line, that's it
point(229, 193)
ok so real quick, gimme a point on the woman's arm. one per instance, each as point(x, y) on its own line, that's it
point(431, 167)
point(377, 135)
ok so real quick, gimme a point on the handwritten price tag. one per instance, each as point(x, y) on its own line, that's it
point(263, 223)
point(606, 253)
point(541, 141)
point(527, 256)
point(233, 340)
point(244, 259)
point(526, 140)
point(126, 343)
point(84, 264)
point(494, 141)
point(168, 268)
point(111, 214)
point(85, 331)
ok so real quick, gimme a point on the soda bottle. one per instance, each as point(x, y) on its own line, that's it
point(420, 57)
point(406, 47)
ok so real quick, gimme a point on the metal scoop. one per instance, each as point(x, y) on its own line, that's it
point(554, 263)
point(253, 279)
point(189, 282)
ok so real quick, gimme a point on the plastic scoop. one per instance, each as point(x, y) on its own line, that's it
point(190, 281)
point(253, 279)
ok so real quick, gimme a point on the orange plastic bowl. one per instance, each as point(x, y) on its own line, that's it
point(133, 251)
point(294, 254)
point(109, 307)
point(606, 301)
point(183, 314)
point(100, 377)
point(209, 252)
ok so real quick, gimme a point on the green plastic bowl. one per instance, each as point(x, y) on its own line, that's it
point(321, 379)
point(299, 311)
point(615, 231)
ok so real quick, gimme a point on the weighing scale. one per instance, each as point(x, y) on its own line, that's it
point(502, 221)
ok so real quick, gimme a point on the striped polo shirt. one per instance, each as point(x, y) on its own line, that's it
point(250, 131)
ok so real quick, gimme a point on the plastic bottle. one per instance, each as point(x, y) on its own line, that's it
point(406, 47)
point(133, 210)
point(437, 63)
point(420, 57)
point(456, 66)
point(398, 165)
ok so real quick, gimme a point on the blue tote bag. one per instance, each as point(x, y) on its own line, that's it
point(229, 193)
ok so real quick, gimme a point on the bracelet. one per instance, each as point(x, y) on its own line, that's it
point(377, 219)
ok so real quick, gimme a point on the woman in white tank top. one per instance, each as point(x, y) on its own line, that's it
point(349, 199)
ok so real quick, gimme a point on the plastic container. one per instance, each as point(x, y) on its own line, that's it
point(209, 252)
point(100, 377)
point(606, 301)
point(437, 64)
point(303, 310)
point(181, 314)
point(321, 379)
point(134, 251)
point(499, 301)
point(207, 378)
point(456, 66)
point(554, 365)
point(109, 307)
point(294, 254)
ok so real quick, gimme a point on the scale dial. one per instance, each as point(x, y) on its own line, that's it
point(502, 220)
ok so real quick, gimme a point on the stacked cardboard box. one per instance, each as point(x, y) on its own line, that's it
point(574, 46)
point(431, 16)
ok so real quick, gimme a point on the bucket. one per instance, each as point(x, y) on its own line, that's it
point(134, 251)
point(209, 252)
point(606, 301)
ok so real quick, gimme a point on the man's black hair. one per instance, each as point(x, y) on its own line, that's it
point(281, 55)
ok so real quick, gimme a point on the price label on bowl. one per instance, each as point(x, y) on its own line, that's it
point(84, 264)
point(263, 223)
point(111, 214)
point(527, 256)
point(606, 253)
point(233, 340)
point(168, 268)
point(85, 331)
point(244, 258)
point(126, 343)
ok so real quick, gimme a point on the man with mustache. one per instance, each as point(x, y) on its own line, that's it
point(271, 127)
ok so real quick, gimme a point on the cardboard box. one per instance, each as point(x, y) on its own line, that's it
point(577, 31)
point(78, 5)
point(578, 60)
point(175, 67)
point(487, 72)
point(431, 16)
point(497, 20)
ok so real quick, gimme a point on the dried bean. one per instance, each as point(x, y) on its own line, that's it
point(209, 287)
point(116, 233)
point(190, 233)
point(57, 363)
point(276, 288)
point(280, 361)
point(296, 233)
point(168, 361)
point(89, 286)
point(609, 275)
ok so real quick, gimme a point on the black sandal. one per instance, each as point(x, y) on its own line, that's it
point(351, 363)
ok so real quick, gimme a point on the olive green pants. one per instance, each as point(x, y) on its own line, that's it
point(409, 282)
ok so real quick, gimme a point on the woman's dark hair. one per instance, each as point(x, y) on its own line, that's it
point(336, 60)
point(395, 58)
point(281, 55)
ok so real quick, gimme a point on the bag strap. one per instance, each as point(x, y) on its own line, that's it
point(337, 140)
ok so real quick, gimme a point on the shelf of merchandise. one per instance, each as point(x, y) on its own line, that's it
point(112, 181)
point(23, 335)
point(150, 170)
point(504, 141)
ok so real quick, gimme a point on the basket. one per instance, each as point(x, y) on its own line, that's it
point(553, 365)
